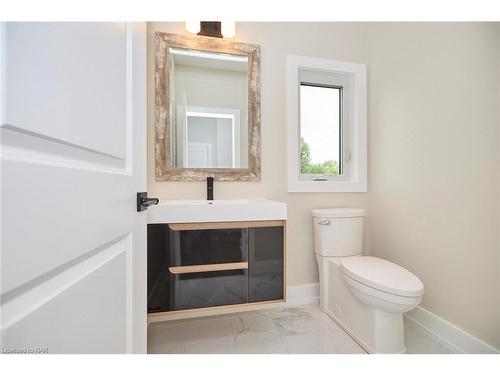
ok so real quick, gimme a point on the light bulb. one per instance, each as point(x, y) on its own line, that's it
point(193, 27)
point(228, 29)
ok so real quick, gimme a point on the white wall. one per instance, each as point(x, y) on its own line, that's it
point(433, 201)
point(434, 164)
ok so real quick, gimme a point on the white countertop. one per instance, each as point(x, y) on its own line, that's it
point(197, 211)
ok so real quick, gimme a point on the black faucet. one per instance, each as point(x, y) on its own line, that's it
point(210, 188)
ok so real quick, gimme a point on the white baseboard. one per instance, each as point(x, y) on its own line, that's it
point(448, 334)
point(307, 293)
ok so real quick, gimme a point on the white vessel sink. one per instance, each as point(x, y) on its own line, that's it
point(197, 211)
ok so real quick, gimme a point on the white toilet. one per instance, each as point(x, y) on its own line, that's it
point(365, 295)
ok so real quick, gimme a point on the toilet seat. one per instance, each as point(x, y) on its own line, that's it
point(383, 300)
point(382, 275)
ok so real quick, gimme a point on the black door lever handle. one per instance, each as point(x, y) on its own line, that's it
point(143, 202)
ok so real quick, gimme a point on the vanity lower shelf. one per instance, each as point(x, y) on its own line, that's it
point(195, 266)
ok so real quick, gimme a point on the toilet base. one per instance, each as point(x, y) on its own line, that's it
point(377, 331)
point(366, 346)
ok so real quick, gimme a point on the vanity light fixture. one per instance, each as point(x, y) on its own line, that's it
point(228, 29)
point(214, 29)
point(193, 26)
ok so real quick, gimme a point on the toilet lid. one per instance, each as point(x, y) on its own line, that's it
point(382, 275)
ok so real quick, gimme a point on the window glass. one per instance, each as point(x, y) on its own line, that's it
point(320, 130)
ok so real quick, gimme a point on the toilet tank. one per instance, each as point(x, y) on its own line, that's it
point(338, 232)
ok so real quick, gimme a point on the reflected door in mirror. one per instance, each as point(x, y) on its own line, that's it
point(212, 140)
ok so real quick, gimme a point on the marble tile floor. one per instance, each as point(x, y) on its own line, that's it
point(303, 329)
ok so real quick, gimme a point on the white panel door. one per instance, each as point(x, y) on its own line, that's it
point(73, 156)
point(199, 155)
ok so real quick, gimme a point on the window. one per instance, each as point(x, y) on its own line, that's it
point(326, 125)
point(320, 131)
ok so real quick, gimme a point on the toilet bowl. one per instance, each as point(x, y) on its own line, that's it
point(365, 295)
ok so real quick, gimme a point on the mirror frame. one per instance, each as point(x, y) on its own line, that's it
point(164, 169)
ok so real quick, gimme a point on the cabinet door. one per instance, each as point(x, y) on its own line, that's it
point(158, 264)
point(170, 290)
point(208, 246)
point(265, 264)
point(206, 289)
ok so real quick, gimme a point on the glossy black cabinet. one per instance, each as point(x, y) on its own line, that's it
point(187, 269)
point(265, 265)
point(208, 246)
point(158, 245)
point(205, 289)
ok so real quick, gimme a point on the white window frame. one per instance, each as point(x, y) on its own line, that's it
point(355, 180)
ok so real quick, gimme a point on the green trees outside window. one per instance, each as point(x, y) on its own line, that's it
point(328, 167)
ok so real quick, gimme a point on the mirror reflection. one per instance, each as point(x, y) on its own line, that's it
point(209, 96)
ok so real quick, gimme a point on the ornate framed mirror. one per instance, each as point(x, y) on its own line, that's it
point(207, 109)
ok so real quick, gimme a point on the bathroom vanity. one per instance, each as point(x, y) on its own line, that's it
point(211, 255)
point(215, 254)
